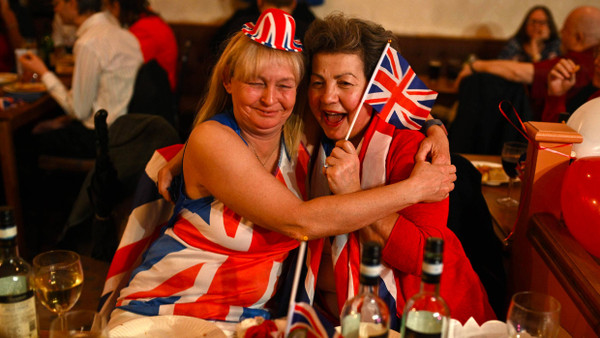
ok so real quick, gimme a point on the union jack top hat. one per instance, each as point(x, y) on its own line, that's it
point(274, 28)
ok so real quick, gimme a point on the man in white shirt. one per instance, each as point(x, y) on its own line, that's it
point(107, 58)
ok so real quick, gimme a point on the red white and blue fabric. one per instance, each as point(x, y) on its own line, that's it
point(275, 29)
point(307, 320)
point(212, 263)
point(345, 249)
point(386, 155)
point(395, 91)
point(150, 214)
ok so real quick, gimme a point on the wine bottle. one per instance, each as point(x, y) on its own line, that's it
point(426, 313)
point(17, 302)
point(367, 315)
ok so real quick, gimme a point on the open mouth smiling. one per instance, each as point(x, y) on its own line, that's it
point(333, 118)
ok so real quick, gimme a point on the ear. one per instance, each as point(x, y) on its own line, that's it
point(226, 80)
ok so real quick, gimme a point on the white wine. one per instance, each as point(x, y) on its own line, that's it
point(367, 315)
point(17, 304)
point(420, 325)
point(58, 290)
point(426, 314)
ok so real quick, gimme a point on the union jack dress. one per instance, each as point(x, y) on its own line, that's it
point(210, 262)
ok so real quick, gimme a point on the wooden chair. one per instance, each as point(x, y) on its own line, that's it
point(51, 163)
point(544, 256)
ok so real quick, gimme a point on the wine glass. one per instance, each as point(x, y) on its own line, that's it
point(80, 323)
point(58, 280)
point(511, 154)
point(533, 314)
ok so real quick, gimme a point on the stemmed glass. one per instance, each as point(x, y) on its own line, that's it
point(79, 324)
point(533, 314)
point(58, 279)
point(511, 154)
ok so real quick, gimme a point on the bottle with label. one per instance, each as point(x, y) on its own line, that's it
point(426, 313)
point(17, 302)
point(367, 315)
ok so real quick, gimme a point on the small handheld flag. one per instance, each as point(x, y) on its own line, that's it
point(396, 93)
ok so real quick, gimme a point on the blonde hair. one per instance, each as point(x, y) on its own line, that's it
point(241, 60)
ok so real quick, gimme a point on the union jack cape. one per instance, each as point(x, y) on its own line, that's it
point(150, 214)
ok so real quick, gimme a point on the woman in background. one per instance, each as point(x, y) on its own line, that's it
point(156, 37)
point(537, 39)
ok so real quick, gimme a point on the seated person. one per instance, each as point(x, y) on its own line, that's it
point(561, 80)
point(580, 33)
point(10, 37)
point(537, 38)
point(156, 37)
point(107, 58)
point(240, 209)
point(379, 154)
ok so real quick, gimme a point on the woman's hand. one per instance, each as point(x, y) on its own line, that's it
point(343, 169)
point(167, 173)
point(562, 77)
point(434, 147)
point(432, 182)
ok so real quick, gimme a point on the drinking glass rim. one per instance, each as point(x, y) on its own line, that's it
point(68, 253)
point(555, 305)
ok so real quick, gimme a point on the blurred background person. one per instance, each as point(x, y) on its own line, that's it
point(107, 58)
point(537, 38)
point(156, 37)
point(16, 31)
point(561, 80)
point(63, 36)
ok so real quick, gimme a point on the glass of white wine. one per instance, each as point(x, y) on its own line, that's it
point(79, 324)
point(58, 277)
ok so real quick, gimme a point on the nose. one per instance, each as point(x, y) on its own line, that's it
point(268, 96)
point(329, 94)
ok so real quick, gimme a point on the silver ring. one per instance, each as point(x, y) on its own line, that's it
point(326, 165)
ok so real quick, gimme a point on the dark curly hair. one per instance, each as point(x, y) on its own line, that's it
point(337, 33)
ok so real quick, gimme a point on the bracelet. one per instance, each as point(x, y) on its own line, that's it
point(432, 122)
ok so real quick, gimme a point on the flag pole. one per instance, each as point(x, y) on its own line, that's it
point(292, 304)
point(362, 100)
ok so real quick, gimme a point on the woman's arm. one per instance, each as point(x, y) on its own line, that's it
point(218, 163)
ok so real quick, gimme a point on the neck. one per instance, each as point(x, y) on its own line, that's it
point(265, 150)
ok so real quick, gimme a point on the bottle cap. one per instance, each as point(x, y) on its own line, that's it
point(8, 228)
point(371, 254)
point(434, 245)
point(370, 266)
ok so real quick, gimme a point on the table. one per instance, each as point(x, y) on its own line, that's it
point(10, 120)
point(503, 218)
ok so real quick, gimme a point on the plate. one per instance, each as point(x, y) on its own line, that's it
point(166, 326)
point(21, 88)
point(491, 173)
point(27, 92)
point(6, 78)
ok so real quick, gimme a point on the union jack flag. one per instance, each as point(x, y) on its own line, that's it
point(397, 94)
point(275, 29)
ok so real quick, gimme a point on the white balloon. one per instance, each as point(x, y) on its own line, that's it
point(586, 121)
